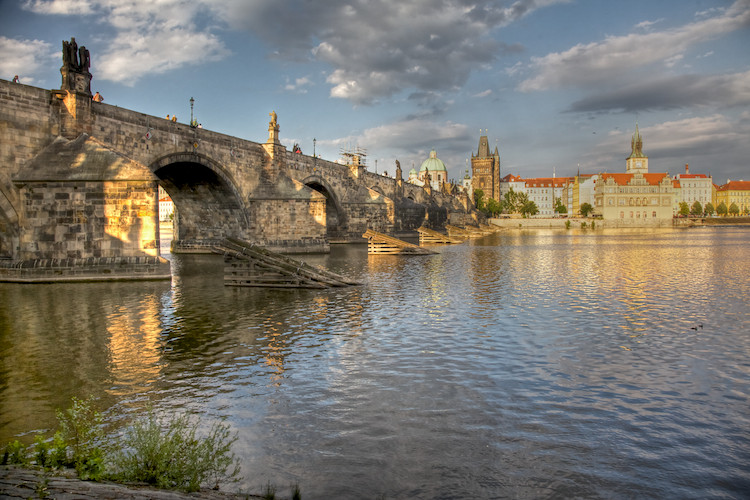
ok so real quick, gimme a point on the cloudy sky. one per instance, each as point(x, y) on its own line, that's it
point(558, 85)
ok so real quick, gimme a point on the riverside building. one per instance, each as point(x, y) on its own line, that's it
point(636, 197)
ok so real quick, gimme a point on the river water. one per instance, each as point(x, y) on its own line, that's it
point(525, 364)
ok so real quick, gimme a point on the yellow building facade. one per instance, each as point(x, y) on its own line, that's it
point(737, 192)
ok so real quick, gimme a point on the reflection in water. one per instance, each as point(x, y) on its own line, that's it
point(529, 363)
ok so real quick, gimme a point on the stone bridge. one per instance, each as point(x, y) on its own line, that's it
point(78, 180)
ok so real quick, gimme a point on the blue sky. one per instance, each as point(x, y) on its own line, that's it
point(558, 85)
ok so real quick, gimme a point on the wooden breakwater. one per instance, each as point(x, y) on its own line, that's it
point(431, 237)
point(379, 243)
point(249, 265)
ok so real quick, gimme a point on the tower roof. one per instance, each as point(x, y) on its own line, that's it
point(636, 144)
point(433, 164)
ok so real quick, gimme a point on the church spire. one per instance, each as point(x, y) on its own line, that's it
point(636, 144)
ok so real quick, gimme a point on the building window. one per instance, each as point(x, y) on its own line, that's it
point(631, 214)
point(653, 214)
point(622, 214)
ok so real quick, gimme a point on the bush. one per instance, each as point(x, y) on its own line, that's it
point(171, 456)
point(81, 432)
point(15, 453)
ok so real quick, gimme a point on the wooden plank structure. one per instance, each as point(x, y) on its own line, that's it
point(379, 243)
point(249, 265)
point(430, 236)
point(456, 232)
point(489, 228)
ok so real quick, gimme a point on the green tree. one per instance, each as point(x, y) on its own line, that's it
point(696, 209)
point(721, 209)
point(586, 209)
point(684, 209)
point(559, 207)
point(709, 208)
point(493, 207)
point(734, 209)
point(529, 208)
point(509, 201)
point(479, 199)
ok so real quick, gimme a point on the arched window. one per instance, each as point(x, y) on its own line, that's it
point(653, 215)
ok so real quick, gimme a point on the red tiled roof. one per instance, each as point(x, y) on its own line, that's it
point(692, 176)
point(511, 178)
point(624, 179)
point(735, 186)
point(676, 183)
point(548, 181)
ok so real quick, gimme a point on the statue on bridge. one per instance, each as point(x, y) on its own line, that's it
point(75, 68)
point(74, 58)
point(273, 129)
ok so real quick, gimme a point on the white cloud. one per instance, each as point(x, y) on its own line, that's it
point(378, 48)
point(150, 36)
point(646, 25)
point(25, 58)
point(60, 7)
point(299, 85)
point(617, 56)
point(483, 94)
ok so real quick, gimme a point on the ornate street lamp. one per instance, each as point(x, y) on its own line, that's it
point(192, 101)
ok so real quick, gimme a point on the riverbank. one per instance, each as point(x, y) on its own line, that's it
point(583, 222)
point(19, 483)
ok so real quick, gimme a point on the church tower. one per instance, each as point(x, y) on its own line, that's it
point(485, 170)
point(637, 162)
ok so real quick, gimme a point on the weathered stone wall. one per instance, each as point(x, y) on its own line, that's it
point(28, 123)
point(77, 220)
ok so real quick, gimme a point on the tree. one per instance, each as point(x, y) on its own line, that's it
point(493, 207)
point(559, 207)
point(709, 208)
point(586, 209)
point(696, 209)
point(684, 209)
point(509, 201)
point(721, 209)
point(734, 209)
point(529, 208)
point(479, 199)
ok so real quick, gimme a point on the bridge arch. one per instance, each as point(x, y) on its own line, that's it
point(208, 203)
point(335, 215)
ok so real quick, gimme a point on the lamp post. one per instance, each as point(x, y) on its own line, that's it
point(314, 141)
point(192, 101)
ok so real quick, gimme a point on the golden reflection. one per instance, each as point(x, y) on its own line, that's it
point(135, 347)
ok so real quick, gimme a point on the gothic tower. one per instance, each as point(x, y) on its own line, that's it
point(637, 162)
point(485, 170)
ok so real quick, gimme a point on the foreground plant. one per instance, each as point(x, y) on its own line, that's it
point(170, 455)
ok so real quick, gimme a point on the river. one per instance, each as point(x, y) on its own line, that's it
point(525, 364)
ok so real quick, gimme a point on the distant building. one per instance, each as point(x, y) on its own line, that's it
point(433, 169)
point(514, 182)
point(543, 191)
point(466, 183)
point(636, 197)
point(737, 192)
point(579, 190)
point(690, 188)
point(166, 206)
point(485, 170)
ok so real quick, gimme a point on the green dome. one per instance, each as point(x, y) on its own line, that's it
point(433, 164)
